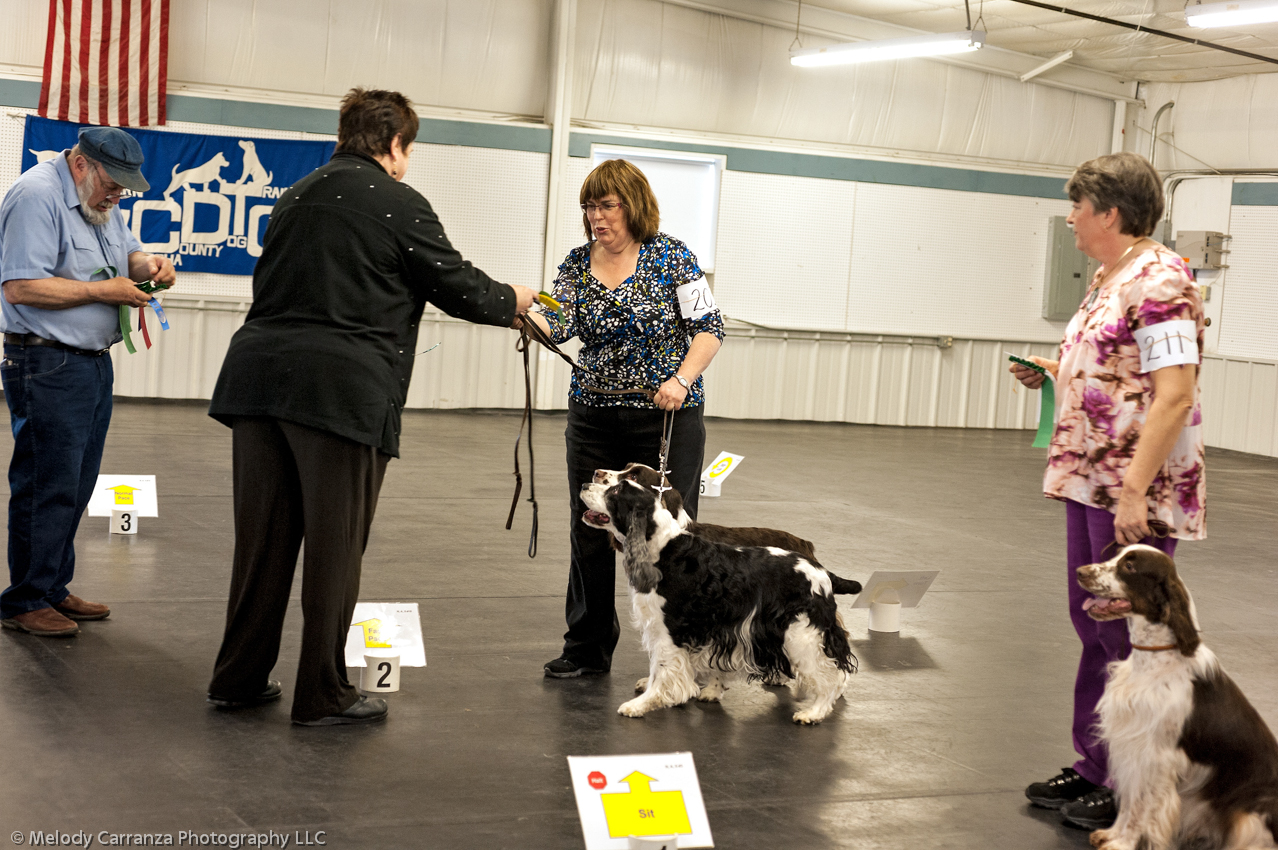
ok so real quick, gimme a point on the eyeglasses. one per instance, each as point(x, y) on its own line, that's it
point(604, 207)
point(114, 190)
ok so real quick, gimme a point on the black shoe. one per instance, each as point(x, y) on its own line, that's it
point(366, 710)
point(1097, 810)
point(1065, 787)
point(564, 668)
point(271, 694)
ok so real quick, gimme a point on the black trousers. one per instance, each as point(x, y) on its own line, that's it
point(294, 483)
point(610, 438)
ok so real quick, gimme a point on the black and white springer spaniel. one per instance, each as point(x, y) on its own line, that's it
point(706, 610)
point(1193, 763)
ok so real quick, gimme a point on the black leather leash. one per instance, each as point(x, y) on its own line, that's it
point(529, 332)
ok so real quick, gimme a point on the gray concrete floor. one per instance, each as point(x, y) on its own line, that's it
point(940, 731)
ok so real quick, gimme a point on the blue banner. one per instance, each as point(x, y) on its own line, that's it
point(210, 196)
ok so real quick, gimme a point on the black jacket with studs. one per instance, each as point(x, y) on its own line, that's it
point(349, 260)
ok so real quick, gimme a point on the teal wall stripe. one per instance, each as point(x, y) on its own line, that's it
point(510, 137)
point(240, 113)
point(1255, 195)
point(307, 119)
point(841, 168)
point(20, 93)
point(236, 113)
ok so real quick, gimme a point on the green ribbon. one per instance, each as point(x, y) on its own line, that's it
point(147, 286)
point(1046, 415)
point(124, 312)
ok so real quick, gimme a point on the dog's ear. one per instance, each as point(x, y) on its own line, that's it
point(672, 501)
point(1180, 618)
point(641, 572)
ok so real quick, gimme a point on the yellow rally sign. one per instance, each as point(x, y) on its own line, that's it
point(644, 812)
point(123, 494)
point(720, 467)
point(372, 633)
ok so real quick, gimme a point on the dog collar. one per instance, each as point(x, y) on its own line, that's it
point(1154, 648)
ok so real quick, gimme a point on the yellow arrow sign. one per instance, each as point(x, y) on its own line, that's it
point(124, 494)
point(372, 633)
point(645, 812)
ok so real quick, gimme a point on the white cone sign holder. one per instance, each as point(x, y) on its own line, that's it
point(124, 498)
point(720, 468)
point(383, 629)
point(380, 674)
point(886, 592)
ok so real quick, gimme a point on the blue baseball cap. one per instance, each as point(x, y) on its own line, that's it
point(119, 154)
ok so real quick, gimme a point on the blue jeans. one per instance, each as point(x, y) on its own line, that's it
point(59, 409)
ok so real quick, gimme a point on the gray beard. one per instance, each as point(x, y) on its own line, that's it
point(84, 190)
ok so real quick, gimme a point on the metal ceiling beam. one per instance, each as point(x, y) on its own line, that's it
point(1047, 66)
point(840, 26)
point(1138, 28)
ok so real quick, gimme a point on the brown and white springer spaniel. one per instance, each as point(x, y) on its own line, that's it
point(1193, 763)
point(673, 501)
point(709, 610)
point(714, 685)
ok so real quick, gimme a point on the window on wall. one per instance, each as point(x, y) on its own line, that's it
point(687, 190)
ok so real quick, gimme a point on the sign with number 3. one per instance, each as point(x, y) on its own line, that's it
point(696, 299)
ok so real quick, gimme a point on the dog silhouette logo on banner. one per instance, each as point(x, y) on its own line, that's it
point(197, 211)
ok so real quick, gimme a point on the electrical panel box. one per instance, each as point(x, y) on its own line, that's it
point(1069, 271)
point(1202, 249)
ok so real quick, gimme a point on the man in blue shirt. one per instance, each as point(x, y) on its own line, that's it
point(67, 262)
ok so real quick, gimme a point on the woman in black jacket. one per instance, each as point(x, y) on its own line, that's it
point(313, 386)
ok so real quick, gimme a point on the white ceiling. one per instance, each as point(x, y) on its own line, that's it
point(1098, 46)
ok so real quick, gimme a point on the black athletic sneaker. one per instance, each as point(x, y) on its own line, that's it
point(1066, 787)
point(564, 668)
point(1097, 810)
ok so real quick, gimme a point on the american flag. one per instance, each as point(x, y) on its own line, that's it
point(106, 62)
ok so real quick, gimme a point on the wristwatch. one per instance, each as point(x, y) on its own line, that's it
point(683, 382)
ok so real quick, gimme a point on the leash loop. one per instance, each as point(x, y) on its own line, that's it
point(522, 346)
point(528, 332)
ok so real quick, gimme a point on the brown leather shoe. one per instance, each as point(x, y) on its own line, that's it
point(44, 622)
point(75, 608)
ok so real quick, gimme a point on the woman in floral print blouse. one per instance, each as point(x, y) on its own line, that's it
point(638, 302)
point(1127, 453)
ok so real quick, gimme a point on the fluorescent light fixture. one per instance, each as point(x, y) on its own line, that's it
point(891, 48)
point(1232, 14)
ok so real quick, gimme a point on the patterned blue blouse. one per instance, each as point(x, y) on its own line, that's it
point(634, 335)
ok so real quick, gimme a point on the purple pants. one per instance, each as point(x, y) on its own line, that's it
point(1090, 533)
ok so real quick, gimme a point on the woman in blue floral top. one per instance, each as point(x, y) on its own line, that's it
point(638, 302)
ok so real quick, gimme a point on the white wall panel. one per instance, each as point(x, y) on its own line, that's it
point(22, 35)
point(474, 54)
point(648, 63)
point(785, 246)
point(1220, 124)
point(571, 232)
point(799, 252)
point(966, 264)
point(492, 204)
point(1249, 314)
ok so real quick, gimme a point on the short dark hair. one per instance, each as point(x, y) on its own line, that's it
point(371, 119)
point(1124, 180)
point(628, 183)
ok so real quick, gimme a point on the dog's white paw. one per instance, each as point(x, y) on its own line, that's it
point(808, 717)
point(641, 685)
point(775, 680)
point(712, 692)
point(637, 707)
point(1109, 839)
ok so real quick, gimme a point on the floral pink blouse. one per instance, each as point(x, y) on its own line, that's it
point(1104, 389)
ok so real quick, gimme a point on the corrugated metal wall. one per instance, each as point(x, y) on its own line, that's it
point(760, 373)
